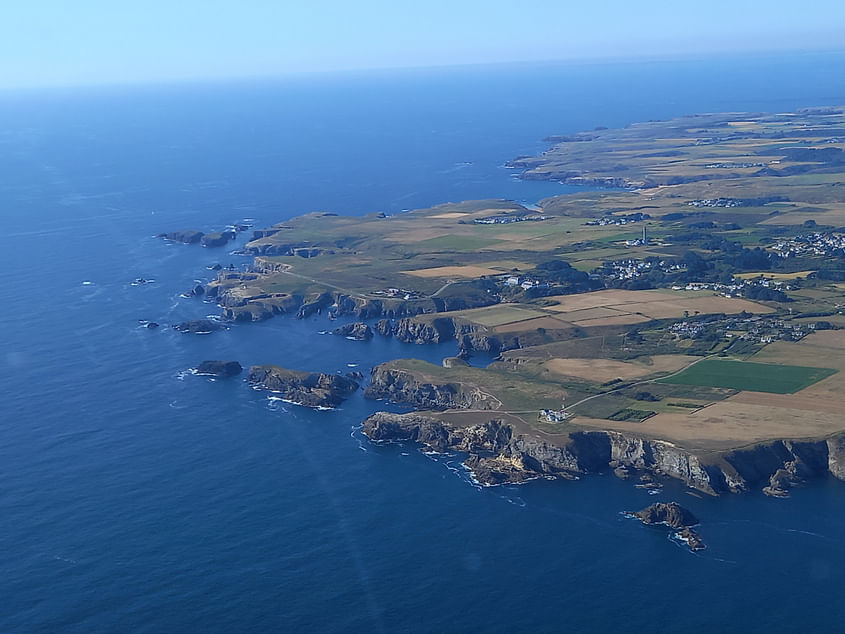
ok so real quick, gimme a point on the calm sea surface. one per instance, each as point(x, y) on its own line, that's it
point(134, 496)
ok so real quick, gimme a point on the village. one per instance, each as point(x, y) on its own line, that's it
point(812, 244)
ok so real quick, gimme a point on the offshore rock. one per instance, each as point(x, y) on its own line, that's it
point(221, 369)
point(199, 326)
point(186, 237)
point(676, 517)
point(310, 389)
point(384, 327)
point(196, 291)
point(358, 331)
point(672, 515)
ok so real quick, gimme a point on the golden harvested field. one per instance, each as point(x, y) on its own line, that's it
point(825, 339)
point(749, 417)
point(596, 299)
point(603, 370)
point(549, 323)
point(728, 424)
point(504, 266)
point(589, 313)
point(621, 320)
point(773, 276)
point(832, 216)
point(499, 314)
point(450, 215)
point(467, 271)
point(415, 235)
point(652, 304)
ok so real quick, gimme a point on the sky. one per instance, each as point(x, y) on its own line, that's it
point(85, 42)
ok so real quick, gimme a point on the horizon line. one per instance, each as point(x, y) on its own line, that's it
point(690, 56)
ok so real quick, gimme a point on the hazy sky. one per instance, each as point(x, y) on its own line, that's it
point(46, 42)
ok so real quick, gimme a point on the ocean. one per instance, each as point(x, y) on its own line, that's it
point(137, 496)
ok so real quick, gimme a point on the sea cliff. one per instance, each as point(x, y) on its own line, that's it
point(498, 453)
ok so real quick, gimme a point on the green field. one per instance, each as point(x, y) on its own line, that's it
point(755, 377)
point(452, 242)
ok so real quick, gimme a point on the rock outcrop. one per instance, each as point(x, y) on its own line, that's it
point(672, 515)
point(384, 327)
point(454, 362)
point(311, 389)
point(187, 236)
point(197, 291)
point(220, 369)
point(357, 330)
point(219, 239)
point(199, 326)
point(676, 517)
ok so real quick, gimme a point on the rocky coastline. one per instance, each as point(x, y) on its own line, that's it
point(499, 454)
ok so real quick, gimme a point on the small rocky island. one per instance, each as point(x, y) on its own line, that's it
point(358, 331)
point(310, 389)
point(219, 369)
point(191, 236)
point(199, 326)
point(676, 517)
point(188, 236)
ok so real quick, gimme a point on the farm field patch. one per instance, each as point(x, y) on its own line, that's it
point(603, 370)
point(467, 271)
point(746, 375)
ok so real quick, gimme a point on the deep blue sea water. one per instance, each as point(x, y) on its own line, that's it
point(134, 496)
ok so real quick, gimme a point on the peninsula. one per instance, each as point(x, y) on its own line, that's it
point(680, 316)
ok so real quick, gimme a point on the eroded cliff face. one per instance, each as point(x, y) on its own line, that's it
point(400, 386)
point(240, 296)
point(497, 454)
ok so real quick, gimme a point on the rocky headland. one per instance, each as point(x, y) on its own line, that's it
point(310, 389)
point(217, 239)
point(407, 388)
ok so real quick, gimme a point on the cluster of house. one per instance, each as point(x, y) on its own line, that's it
point(715, 202)
point(506, 220)
point(618, 220)
point(524, 282)
point(554, 415)
point(631, 268)
point(755, 328)
point(767, 330)
point(398, 292)
point(687, 329)
point(825, 244)
point(732, 165)
point(735, 288)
